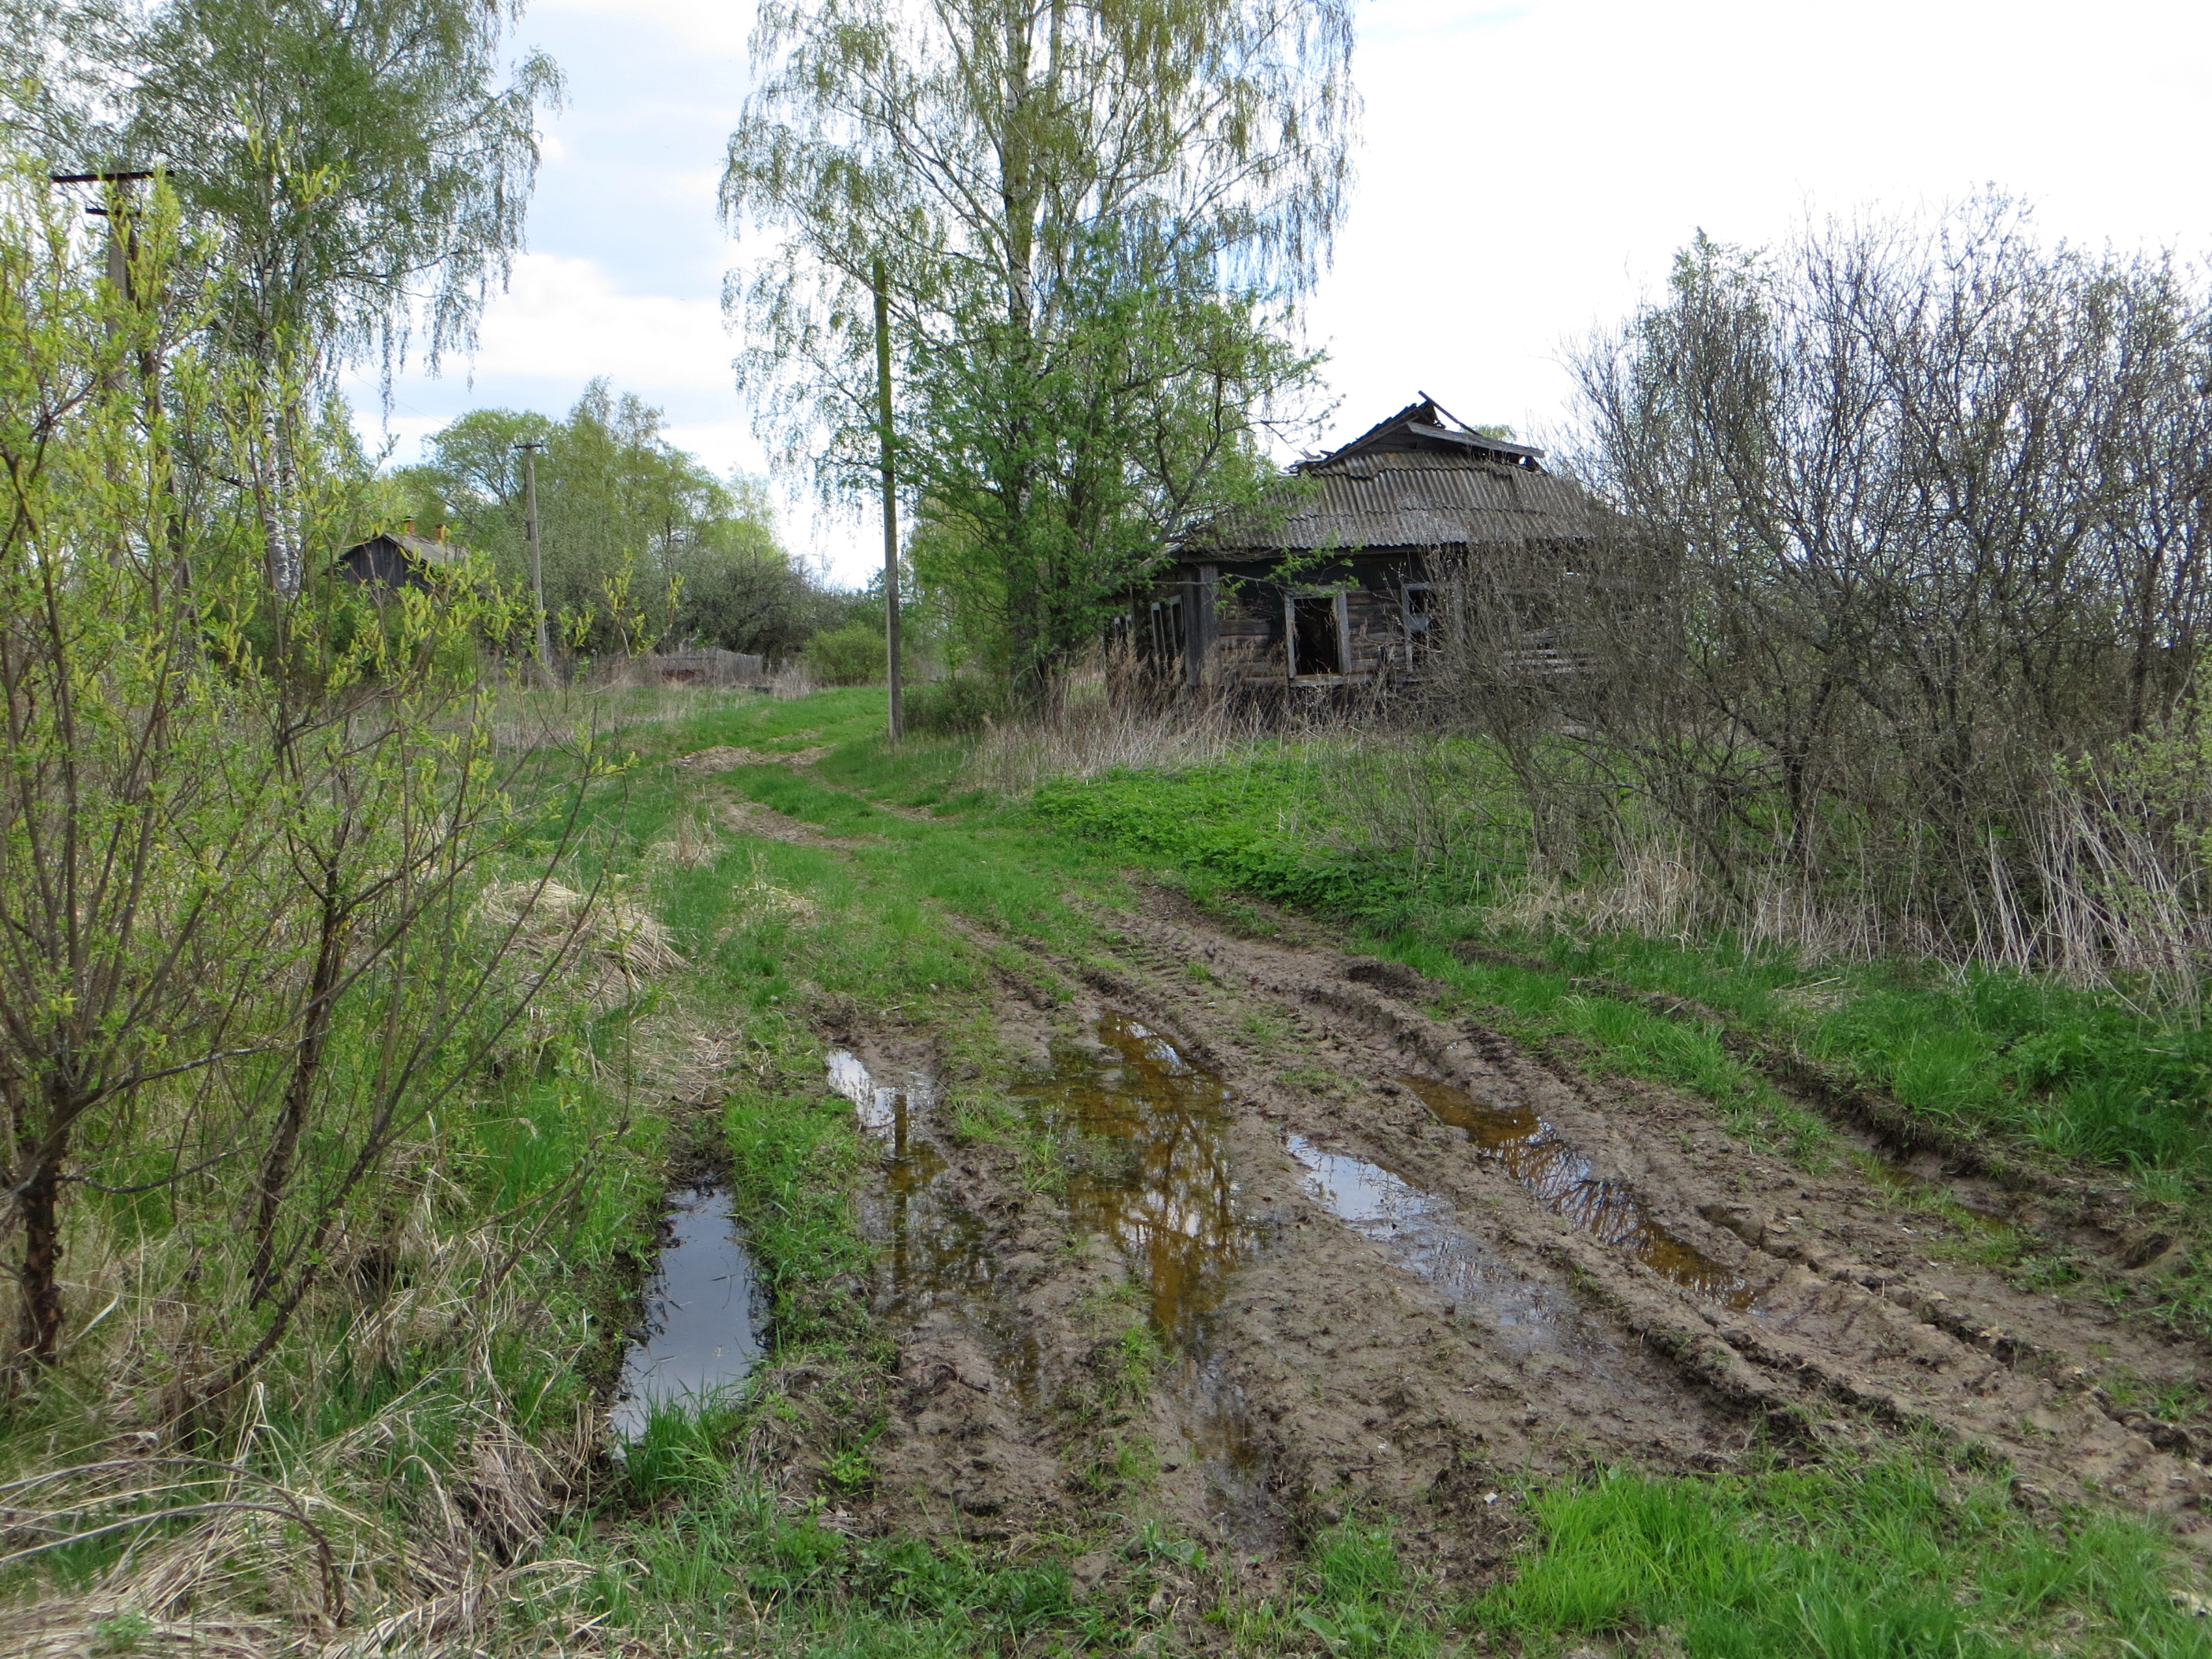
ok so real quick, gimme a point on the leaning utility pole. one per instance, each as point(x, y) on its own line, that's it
point(536, 566)
point(890, 495)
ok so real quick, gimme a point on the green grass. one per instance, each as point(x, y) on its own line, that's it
point(1899, 1561)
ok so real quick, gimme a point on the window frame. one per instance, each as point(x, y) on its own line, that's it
point(1341, 610)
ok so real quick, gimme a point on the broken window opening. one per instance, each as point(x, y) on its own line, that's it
point(1168, 630)
point(1317, 635)
point(1420, 603)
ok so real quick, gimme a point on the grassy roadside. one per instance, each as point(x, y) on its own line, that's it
point(687, 1556)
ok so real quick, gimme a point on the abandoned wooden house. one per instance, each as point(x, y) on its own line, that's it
point(399, 559)
point(1346, 578)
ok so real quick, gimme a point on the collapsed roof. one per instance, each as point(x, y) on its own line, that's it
point(1418, 480)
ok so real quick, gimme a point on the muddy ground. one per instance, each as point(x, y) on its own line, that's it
point(1377, 1260)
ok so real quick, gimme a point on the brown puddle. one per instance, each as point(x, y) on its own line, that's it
point(1147, 1134)
point(1531, 1151)
point(1150, 1134)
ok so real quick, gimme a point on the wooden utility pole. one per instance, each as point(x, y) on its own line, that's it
point(537, 565)
point(891, 495)
point(122, 216)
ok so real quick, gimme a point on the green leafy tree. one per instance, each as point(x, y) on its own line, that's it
point(1094, 220)
point(696, 558)
point(368, 164)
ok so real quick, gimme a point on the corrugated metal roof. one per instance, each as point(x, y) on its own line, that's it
point(1415, 500)
point(1411, 481)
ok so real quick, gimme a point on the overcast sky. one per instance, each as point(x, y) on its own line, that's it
point(1526, 171)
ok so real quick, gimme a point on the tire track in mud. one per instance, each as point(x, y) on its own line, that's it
point(1848, 1326)
point(1343, 1366)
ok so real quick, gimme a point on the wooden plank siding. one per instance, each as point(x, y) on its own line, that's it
point(1231, 626)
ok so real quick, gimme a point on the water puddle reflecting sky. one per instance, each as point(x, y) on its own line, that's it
point(702, 1316)
point(1423, 1235)
point(1531, 1151)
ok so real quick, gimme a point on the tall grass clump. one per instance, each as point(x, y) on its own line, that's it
point(1097, 719)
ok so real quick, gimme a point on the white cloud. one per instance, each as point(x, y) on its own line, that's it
point(701, 25)
point(399, 439)
point(565, 319)
point(1527, 171)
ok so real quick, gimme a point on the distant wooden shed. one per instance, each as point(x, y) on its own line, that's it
point(1341, 579)
point(400, 559)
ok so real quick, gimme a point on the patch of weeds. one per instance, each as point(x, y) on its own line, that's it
point(2177, 1401)
point(683, 1448)
point(1264, 1029)
point(1160, 1548)
point(1975, 1239)
point(1315, 1079)
point(850, 1470)
point(1358, 1595)
point(1137, 1355)
point(994, 1119)
point(2047, 1270)
point(1201, 973)
point(2181, 1401)
point(1122, 1463)
point(120, 1632)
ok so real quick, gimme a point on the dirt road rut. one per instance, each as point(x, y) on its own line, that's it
point(1393, 1261)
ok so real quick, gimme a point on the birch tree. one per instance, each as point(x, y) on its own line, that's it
point(1095, 219)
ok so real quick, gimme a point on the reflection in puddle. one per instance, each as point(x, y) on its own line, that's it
point(1531, 1151)
point(1147, 1134)
point(877, 1107)
point(1423, 1237)
point(1150, 1132)
point(1153, 1174)
point(935, 1257)
point(701, 1315)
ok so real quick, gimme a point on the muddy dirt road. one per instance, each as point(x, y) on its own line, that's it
point(1386, 1261)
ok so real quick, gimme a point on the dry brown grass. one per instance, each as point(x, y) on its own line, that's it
point(600, 944)
point(690, 844)
point(725, 757)
point(1093, 730)
point(253, 1540)
point(791, 680)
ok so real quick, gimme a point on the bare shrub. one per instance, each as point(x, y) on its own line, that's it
point(1913, 561)
point(792, 679)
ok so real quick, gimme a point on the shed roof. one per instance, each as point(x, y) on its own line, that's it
point(1412, 481)
point(439, 551)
